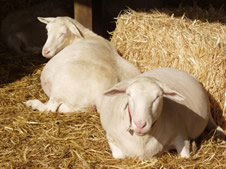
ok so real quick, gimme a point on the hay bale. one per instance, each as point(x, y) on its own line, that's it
point(159, 39)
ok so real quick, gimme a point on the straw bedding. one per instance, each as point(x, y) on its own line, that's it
point(33, 139)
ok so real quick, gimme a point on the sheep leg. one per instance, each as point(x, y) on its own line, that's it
point(37, 104)
point(116, 151)
point(219, 132)
point(183, 147)
point(65, 108)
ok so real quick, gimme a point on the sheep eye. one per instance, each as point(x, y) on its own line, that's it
point(127, 104)
point(156, 98)
point(128, 94)
point(154, 101)
point(61, 35)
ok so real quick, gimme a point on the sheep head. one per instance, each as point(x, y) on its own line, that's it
point(61, 33)
point(145, 101)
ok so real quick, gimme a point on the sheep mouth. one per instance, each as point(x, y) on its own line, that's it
point(139, 132)
point(142, 132)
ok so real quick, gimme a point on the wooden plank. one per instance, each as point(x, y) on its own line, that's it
point(83, 12)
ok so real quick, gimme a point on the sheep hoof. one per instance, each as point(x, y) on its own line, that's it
point(118, 155)
point(116, 151)
point(185, 152)
point(35, 104)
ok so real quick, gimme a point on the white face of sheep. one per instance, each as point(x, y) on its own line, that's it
point(145, 102)
point(61, 33)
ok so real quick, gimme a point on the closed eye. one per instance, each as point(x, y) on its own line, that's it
point(127, 104)
point(154, 101)
point(61, 35)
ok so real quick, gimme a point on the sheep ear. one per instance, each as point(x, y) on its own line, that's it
point(45, 20)
point(121, 87)
point(118, 88)
point(170, 93)
point(74, 30)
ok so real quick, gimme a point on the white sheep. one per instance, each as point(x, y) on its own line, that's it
point(85, 65)
point(156, 111)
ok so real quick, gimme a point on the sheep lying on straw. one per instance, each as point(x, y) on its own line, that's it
point(152, 40)
point(85, 65)
point(155, 111)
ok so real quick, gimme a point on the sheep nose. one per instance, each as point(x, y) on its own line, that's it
point(140, 124)
point(45, 52)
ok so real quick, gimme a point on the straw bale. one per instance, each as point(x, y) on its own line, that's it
point(159, 39)
point(33, 139)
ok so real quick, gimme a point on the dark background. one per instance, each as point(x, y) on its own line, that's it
point(110, 8)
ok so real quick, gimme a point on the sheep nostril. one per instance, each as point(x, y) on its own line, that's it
point(46, 52)
point(140, 124)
